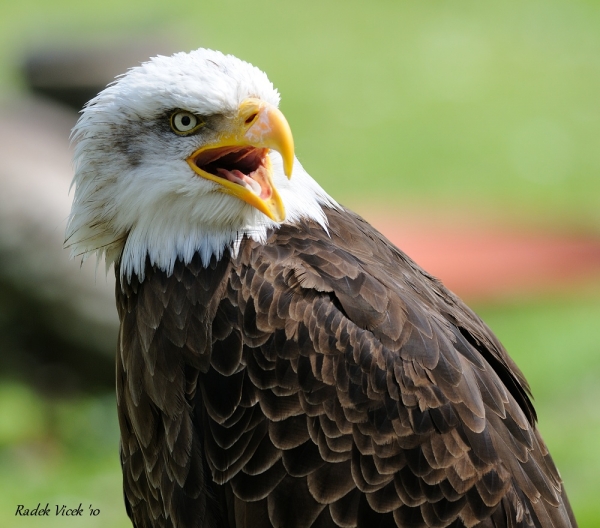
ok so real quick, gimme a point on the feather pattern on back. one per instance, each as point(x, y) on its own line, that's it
point(322, 379)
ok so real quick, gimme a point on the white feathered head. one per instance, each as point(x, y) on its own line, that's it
point(180, 155)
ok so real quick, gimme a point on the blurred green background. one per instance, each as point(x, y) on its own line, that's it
point(478, 107)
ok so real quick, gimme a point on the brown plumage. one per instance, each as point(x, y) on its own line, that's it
point(322, 380)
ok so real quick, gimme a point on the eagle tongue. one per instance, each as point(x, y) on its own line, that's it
point(242, 179)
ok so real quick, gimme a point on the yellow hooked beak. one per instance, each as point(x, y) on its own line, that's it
point(239, 159)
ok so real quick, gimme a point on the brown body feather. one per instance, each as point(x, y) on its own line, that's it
point(322, 380)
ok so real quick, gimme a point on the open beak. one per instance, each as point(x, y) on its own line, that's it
point(239, 160)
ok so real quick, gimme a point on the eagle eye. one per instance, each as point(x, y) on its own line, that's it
point(184, 123)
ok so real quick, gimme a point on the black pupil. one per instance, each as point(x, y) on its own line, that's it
point(185, 121)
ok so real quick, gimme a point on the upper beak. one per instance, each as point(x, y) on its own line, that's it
point(268, 129)
point(256, 128)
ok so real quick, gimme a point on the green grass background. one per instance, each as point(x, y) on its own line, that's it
point(476, 107)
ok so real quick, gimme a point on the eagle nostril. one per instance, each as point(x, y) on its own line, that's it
point(251, 118)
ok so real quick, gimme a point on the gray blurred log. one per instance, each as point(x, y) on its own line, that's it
point(73, 76)
point(58, 322)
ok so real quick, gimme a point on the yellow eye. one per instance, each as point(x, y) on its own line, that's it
point(183, 122)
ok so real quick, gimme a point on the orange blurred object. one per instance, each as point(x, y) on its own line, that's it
point(490, 262)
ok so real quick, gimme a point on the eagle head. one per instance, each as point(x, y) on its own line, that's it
point(182, 155)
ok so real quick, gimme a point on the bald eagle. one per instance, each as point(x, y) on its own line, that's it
point(280, 363)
